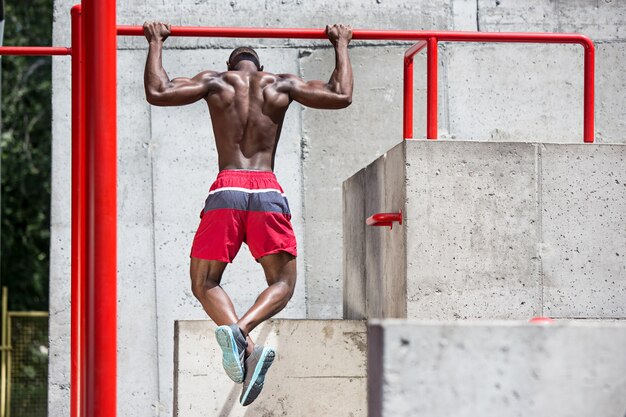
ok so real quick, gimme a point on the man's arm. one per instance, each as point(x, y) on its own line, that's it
point(337, 92)
point(160, 90)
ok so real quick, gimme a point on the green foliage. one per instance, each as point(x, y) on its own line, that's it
point(26, 156)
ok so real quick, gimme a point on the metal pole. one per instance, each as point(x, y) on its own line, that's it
point(361, 34)
point(408, 87)
point(101, 298)
point(431, 89)
point(589, 123)
point(407, 100)
point(79, 219)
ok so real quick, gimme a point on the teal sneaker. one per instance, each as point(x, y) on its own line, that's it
point(233, 344)
point(257, 365)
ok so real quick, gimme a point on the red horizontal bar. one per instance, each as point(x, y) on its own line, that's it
point(384, 219)
point(35, 50)
point(361, 34)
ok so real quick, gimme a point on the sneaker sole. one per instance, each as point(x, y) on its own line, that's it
point(230, 355)
point(258, 378)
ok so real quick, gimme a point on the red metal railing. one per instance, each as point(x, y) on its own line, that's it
point(34, 50)
point(93, 333)
point(430, 41)
point(384, 219)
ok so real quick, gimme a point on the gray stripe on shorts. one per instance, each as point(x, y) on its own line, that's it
point(271, 201)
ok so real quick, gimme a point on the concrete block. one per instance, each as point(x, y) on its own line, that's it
point(319, 370)
point(583, 201)
point(496, 369)
point(504, 92)
point(496, 230)
point(471, 226)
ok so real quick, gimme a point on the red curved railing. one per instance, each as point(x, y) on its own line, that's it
point(430, 41)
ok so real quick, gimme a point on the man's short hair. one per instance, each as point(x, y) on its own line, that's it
point(244, 53)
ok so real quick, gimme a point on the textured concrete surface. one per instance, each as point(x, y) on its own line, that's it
point(354, 292)
point(319, 370)
point(583, 210)
point(320, 149)
point(501, 369)
point(471, 225)
point(493, 92)
point(375, 258)
point(497, 230)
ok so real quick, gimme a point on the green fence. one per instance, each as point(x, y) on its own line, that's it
point(24, 373)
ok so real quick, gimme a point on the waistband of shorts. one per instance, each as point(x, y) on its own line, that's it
point(247, 173)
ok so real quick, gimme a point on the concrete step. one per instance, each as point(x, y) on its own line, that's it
point(491, 230)
point(320, 370)
point(496, 369)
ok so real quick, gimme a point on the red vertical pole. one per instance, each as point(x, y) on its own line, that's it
point(589, 116)
point(79, 219)
point(99, 27)
point(431, 89)
point(408, 98)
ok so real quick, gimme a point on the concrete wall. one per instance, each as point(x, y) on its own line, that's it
point(167, 160)
point(493, 230)
point(319, 371)
point(502, 369)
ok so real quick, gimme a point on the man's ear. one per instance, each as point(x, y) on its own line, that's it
point(228, 65)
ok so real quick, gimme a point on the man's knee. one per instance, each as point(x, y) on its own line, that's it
point(286, 287)
point(202, 281)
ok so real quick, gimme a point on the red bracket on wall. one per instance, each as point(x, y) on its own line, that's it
point(384, 219)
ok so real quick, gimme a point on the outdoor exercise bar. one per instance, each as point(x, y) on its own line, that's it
point(94, 211)
point(428, 39)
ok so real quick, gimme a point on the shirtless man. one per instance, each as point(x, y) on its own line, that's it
point(245, 203)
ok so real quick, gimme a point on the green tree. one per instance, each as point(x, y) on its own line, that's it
point(26, 156)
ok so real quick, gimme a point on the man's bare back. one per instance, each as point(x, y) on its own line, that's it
point(247, 105)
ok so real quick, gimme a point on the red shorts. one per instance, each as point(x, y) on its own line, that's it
point(244, 206)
